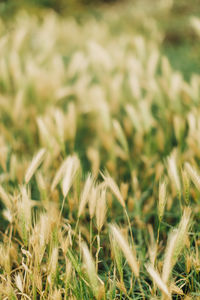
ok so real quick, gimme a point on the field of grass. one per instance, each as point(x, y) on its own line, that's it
point(100, 154)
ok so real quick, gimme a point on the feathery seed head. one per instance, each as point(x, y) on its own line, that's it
point(173, 172)
point(36, 161)
point(168, 264)
point(128, 253)
point(158, 280)
point(101, 208)
point(175, 244)
point(162, 199)
point(92, 200)
point(85, 194)
point(109, 181)
point(18, 282)
point(59, 174)
point(186, 185)
point(72, 166)
point(194, 176)
point(90, 268)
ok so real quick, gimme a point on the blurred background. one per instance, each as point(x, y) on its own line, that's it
point(180, 44)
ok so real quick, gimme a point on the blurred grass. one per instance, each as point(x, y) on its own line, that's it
point(10, 7)
point(184, 58)
point(180, 44)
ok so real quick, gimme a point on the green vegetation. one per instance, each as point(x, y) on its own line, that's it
point(99, 153)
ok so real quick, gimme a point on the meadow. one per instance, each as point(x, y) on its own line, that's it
point(99, 155)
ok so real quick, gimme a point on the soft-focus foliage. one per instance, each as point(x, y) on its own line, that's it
point(99, 160)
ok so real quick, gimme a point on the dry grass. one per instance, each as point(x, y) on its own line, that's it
point(96, 129)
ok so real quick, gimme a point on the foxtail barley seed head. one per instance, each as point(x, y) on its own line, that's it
point(167, 266)
point(5, 198)
point(24, 206)
point(158, 280)
point(194, 176)
point(101, 208)
point(57, 295)
point(173, 173)
point(53, 262)
point(5, 261)
point(90, 269)
point(134, 117)
point(176, 290)
point(109, 181)
point(182, 233)
point(59, 174)
point(71, 166)
point(120, 135)
point(186, 185)
point(128, 253)
point(72, 120)
point(117, 255)
point(36, 161)
point(85, 194)
point(176, 242)
point(45, 136)
point(162, 199)
point(153, 247)
point(92, 201)
point(18, 282)
point(68, 269)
